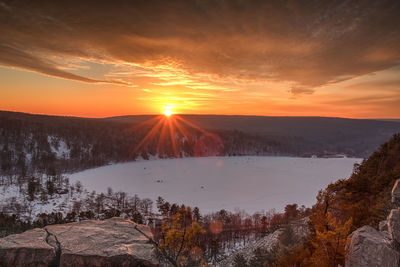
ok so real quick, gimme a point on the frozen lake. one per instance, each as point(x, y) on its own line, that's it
point(214, 183)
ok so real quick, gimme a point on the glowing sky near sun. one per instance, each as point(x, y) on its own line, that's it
point(291, 58)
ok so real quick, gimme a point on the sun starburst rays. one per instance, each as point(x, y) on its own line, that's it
point(169, 134)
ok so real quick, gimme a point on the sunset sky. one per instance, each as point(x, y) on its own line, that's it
point(286, 58)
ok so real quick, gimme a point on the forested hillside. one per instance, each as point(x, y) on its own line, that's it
point(363, 199)
point(322, 136)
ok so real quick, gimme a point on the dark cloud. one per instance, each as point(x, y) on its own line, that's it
point(299, 90)
point(19, 59)
point(310, 43)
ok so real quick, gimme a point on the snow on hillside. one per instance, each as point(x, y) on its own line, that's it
point(214, 183)
point(59, 147)
point(13, 200)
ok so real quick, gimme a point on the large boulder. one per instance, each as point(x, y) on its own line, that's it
point(369, 248)
point(112, 242)
point(396, 193)
point(27, 249)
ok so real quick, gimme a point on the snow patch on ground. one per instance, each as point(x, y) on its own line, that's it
point(13, 200)
point(61, 150)
point(214, 183)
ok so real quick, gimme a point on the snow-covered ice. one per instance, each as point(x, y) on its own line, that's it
point(214, 183)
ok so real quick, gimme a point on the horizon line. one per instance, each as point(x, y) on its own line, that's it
point(194, 114)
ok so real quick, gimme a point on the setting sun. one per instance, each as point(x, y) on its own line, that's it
point(168, 112)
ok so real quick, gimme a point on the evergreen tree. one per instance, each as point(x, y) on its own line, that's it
point(43, 196)
point(215, 250)
point(261, 258)
point(239, 261)
point(159, 203)
point(264, 226)
point(32, 184)
point(50, 187)
point(196, 214)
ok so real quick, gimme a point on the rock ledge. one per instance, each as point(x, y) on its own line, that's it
point(112, 242)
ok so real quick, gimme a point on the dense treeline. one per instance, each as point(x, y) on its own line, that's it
point(223, 231)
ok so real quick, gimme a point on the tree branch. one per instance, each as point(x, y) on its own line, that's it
point(183, 237)
point(157, 246)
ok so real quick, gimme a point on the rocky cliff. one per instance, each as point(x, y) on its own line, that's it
point(112, 242)
point(369, 247)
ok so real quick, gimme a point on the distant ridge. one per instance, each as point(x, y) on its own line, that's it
point(272, 124)
point(302, 136)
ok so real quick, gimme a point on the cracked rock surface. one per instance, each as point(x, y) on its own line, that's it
point(27, 249)
point(112, 242)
